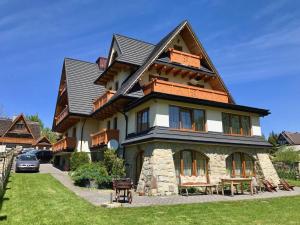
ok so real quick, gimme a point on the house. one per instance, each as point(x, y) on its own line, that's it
point(289, 139)
point(19, 132)
point(169, 110)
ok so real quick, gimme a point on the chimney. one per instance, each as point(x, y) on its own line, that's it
point(102, 62)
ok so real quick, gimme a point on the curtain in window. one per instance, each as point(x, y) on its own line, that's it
point(235, 123)
point(226, 123)
point(186, 120)
point(201, 164)
point(238, 164)
point(177, 163)
point(245, 122)
point(187, 163)
point(229, 161)
point(174, 117)
point(199, 120)
point(249, 170)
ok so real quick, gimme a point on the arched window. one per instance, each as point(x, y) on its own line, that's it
point(190, 163)
point(240, 164)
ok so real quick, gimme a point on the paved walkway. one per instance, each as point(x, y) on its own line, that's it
point(98, 197)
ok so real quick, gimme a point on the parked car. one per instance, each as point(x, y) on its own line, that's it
point(44, 156)
point(26, 150)
point(27, 162)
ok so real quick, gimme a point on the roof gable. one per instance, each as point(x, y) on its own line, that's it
point(291, 138)
point(20, 120)
point(194, 46)
point(42, 140)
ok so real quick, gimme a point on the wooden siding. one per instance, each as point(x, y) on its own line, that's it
point(98, 103)
point(67, 143)
point(184, 58)
point(172, 88)
point(102, 137)
point(15, 140)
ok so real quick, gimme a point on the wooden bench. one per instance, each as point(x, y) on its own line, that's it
point(188, 185)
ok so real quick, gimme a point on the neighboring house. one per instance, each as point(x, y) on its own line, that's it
point(289, 139)
point(19, 132)
point(168, 108)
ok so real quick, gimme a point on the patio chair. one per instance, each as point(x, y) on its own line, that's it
point(268, 186)
point(283, 181)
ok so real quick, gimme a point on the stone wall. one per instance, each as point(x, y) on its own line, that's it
point(158, 171)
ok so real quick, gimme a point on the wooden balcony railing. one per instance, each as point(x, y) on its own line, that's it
point(99, 102)
point(185, 90)
point(67, 143)
point(184, 58)
point(102, 137)
point(18, 140)
point(62, 115)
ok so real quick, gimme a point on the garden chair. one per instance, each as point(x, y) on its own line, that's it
point(268, 186)
point(285, 183)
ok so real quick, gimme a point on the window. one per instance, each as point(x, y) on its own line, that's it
point(115, 123)
point(186, 119)
point(108, 125)
point(116, 85)
point(236, 124)
point(240, 164)
point(190, 163)
point(19, 126)
point(178, 47)
point(143, 120)
point(74, 132)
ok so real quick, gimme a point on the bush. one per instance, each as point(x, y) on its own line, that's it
point(287, 155)
point(91, 173)
point(291, 174)
point(114, 164)
point(77, 159)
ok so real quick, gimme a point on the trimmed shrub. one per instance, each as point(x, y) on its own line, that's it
point(91, 175)
point(114, 164)
point(77, 159)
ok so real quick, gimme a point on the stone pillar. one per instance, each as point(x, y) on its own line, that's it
point(267, 167)
point(217, 167)
point(158, 172)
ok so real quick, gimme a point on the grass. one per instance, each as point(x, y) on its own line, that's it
point(40, 199)
point(294, 182)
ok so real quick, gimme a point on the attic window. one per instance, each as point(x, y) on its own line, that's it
point(178, 47)
point(114, 56)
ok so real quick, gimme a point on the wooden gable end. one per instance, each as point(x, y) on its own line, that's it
point(19, 127)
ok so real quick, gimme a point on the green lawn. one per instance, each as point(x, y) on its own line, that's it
point(40, 199)
point(294, 182)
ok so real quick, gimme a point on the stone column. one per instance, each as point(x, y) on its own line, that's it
point(158, 172)
point(267, 167)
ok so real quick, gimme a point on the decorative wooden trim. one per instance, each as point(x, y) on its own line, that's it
point(184, 58)
point(99, 102)
point(172, 88)
point(16, 140)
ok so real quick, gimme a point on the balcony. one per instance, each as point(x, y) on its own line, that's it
point(102, 137)
point(62, 115)
point(98, 103)
point(65, 144)
point(62, 89)
point(184, 58)
point(171, 88)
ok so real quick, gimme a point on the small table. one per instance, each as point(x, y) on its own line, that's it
point(232, 181)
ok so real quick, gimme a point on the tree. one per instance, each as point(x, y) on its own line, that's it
point(45, 131)
point(273, 139)
point(35, 118)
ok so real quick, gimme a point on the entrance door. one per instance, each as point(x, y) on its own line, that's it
point(139, 165)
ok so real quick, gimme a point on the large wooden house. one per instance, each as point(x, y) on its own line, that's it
point(168, 108)
point(19, 132)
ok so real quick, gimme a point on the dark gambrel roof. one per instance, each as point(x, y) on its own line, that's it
point(81, 89)
point(164, 133)
point(133, 51)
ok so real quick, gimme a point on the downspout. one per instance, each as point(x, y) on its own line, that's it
point(126, 130)
point(81, 135)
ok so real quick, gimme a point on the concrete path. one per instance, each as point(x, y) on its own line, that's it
point(98, 197)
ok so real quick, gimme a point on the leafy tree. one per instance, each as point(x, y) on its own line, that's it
point(273, 139)
point(35, 118)
point(45, 131)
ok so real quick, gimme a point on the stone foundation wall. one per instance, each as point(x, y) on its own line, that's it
point(158, 171)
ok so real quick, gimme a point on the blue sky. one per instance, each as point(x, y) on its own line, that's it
point(255, 45)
